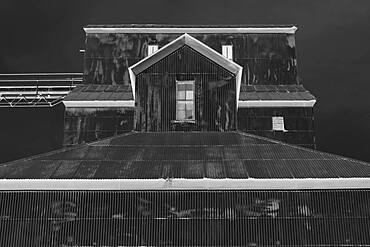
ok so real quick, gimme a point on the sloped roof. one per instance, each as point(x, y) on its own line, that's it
point(219, 158)
point(275, 92)
point(93, 95)
point(100, 92)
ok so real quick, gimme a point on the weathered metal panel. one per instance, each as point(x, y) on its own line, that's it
point(215, 93)
point(185, 218)
point(90, 124)
point(166, 155)
point(265, 58)
point(298, 123)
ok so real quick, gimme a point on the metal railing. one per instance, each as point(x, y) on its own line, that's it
point(36, 89)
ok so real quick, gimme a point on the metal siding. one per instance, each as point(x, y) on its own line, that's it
point(265, 58)
point(185, 218)
point(299, 123)
point(156, 93)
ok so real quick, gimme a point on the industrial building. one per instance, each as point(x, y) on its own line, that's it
point(182, 135)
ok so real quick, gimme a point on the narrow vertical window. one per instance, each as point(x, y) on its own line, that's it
point(278, 123)
point(185, 100)
point(152, 49)
point(227, 51)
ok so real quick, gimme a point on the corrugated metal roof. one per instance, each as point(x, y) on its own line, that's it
point(100, 92)
point(274, 92)
point(185, 218)
point(189, 155)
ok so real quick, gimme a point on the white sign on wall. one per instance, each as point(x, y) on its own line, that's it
point(278, 123)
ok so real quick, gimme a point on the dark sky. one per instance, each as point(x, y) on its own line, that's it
point(333, 44)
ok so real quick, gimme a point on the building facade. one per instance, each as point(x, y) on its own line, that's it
point(198, 78)
point(193, 116)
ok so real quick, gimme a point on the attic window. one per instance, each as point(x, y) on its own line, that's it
point(185, 100)
point(152, 49)
point(227, 51)
point(278, 123)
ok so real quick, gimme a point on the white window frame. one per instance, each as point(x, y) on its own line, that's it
point(152, 49)
point(227, 51)
point(278, 123)
point(192, 82)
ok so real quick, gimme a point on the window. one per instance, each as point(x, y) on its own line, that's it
point(278, 123)
point(152, 49)
point(227, 51)
point(185, 100)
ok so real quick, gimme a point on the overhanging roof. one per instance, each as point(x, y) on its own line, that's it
point(93, 95)
point(185, 160)
point(195, 44)
point(275, 96)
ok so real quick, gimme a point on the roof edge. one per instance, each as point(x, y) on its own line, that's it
point(193, 29)
point(99, 103)
point(184, 184)
point(276, 103)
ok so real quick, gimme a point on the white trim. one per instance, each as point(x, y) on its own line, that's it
point(184, 184)
point(133, 80)
point(289, 30)
point(100, 103)
point(276, 103)
point(187, 36)
point(145, 58)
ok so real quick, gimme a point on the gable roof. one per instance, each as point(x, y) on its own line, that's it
point(196, 160)
point(195, 44)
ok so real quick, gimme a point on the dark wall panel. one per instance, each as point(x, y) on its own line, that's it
point(298, 123)
point(90, 124)
point(215, 93)
point(266, 58)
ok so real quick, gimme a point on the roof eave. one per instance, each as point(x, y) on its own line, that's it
point(184, 184)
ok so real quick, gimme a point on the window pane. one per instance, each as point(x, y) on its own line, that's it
point(189, 95)
point(189, 114)
point(180, 114)
point(189, 87)
point(181, 95)
point(181, 106)
point(189, 105)
point(189, 110)
point(181, 87)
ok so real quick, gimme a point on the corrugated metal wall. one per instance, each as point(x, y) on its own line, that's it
point(83, 125)
point(215, 95)
point(210, 218)
point(266, 58)
point(298, 123)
